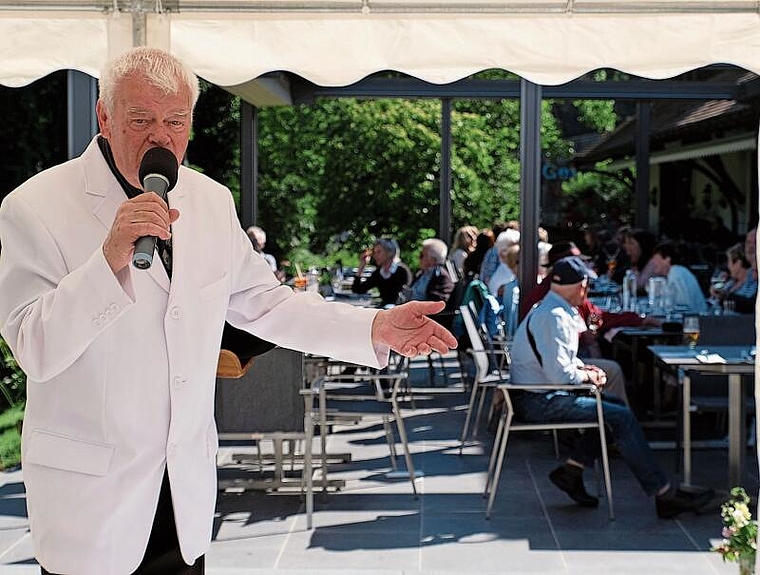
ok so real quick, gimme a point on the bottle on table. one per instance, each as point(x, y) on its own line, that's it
point(629, 291)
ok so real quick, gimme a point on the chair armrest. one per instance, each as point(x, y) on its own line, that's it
point(490, 351)
point(550, 386)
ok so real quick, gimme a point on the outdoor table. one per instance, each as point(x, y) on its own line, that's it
point(731, 360)
point(356, 299)
point(635, 340)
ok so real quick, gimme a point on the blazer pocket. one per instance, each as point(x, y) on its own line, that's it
point(61, 452)
point(214, 289)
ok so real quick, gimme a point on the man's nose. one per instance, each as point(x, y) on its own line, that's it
point(159, 135)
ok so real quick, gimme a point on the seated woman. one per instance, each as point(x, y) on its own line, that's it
point(741, 283)
point(462, 246)
point(483, 243)
point(390, 277)
point(639, 246)
point(508, 292)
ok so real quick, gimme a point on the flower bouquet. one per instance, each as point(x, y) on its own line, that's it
point(739, 532)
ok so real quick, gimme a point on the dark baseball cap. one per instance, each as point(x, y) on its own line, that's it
point(571, 270)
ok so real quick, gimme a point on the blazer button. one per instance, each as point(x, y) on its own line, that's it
point(113, 307)
point(178, 381)
point(176, 313)
point(96, 322)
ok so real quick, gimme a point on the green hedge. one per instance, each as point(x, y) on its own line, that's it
point(10, 436)
point(12, 394)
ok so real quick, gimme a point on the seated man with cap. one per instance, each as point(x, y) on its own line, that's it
point(544, 351)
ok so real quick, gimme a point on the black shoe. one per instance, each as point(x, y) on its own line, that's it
point(570, 480)
point(669, 506)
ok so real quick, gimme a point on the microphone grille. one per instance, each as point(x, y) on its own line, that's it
point(159, 161)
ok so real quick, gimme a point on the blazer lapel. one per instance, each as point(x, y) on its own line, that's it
point(175, 200)
point(105, 195)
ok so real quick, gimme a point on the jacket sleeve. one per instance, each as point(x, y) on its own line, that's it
point(440, 286)
point(49, 314)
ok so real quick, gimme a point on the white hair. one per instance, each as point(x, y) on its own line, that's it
point(258, 233)
point(160, 68)
point(506, 239)
point(437, 249)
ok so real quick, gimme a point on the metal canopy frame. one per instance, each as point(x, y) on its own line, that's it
point(642, 90)
point(395, 6)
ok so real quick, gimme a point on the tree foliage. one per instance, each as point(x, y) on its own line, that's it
point(334, 174)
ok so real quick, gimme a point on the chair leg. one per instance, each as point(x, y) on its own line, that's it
point(391, 442)
point(605, 459)
point(307, 471)
point(323, 436)
point(494, 450)
point(431, 371)
point(405, 444)
point(479, 414)
point(499, 465)
point(443, 369)
point(466, 426)
point(556, 443)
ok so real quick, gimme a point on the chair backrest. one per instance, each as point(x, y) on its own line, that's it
point(510, 300)
point(730, 329)
point(480, 357)
point(267, 398)
point(453, 272)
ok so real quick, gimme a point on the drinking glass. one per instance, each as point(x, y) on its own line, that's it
point(611, 261)
point(691, 331)
point(718, 279)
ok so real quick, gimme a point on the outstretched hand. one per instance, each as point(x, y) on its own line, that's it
point(407, 330)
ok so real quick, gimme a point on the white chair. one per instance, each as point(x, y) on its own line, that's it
point(331, 399)
point(485, 375)
point(508, 424)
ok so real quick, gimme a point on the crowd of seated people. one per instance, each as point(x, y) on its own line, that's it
point(484, 264)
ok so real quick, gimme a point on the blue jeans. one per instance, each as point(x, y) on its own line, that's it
point(625, 429)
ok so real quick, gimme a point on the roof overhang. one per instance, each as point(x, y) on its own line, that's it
point(677, 153)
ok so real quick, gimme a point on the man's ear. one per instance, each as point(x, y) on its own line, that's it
point(100, 111)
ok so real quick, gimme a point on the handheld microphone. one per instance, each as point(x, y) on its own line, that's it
point(158, 173)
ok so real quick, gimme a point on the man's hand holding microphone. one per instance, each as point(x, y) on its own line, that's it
point(142, 219)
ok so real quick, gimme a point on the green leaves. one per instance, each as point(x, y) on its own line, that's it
point(335, 174)
point(12, 378)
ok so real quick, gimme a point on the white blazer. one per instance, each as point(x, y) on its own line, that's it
point(121, 370)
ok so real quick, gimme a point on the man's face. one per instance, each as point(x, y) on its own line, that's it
point(660, 265)
point(578, 295)
point(426, 261)
point(144, 117)
point(574, 294)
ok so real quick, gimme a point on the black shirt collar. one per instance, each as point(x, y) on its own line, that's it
point(128, 188)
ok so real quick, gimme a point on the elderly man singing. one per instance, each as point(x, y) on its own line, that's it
point(119, 442)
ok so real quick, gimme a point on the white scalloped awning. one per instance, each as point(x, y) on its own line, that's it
point(339, 49)
point(338, 42)
point(34, 44)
